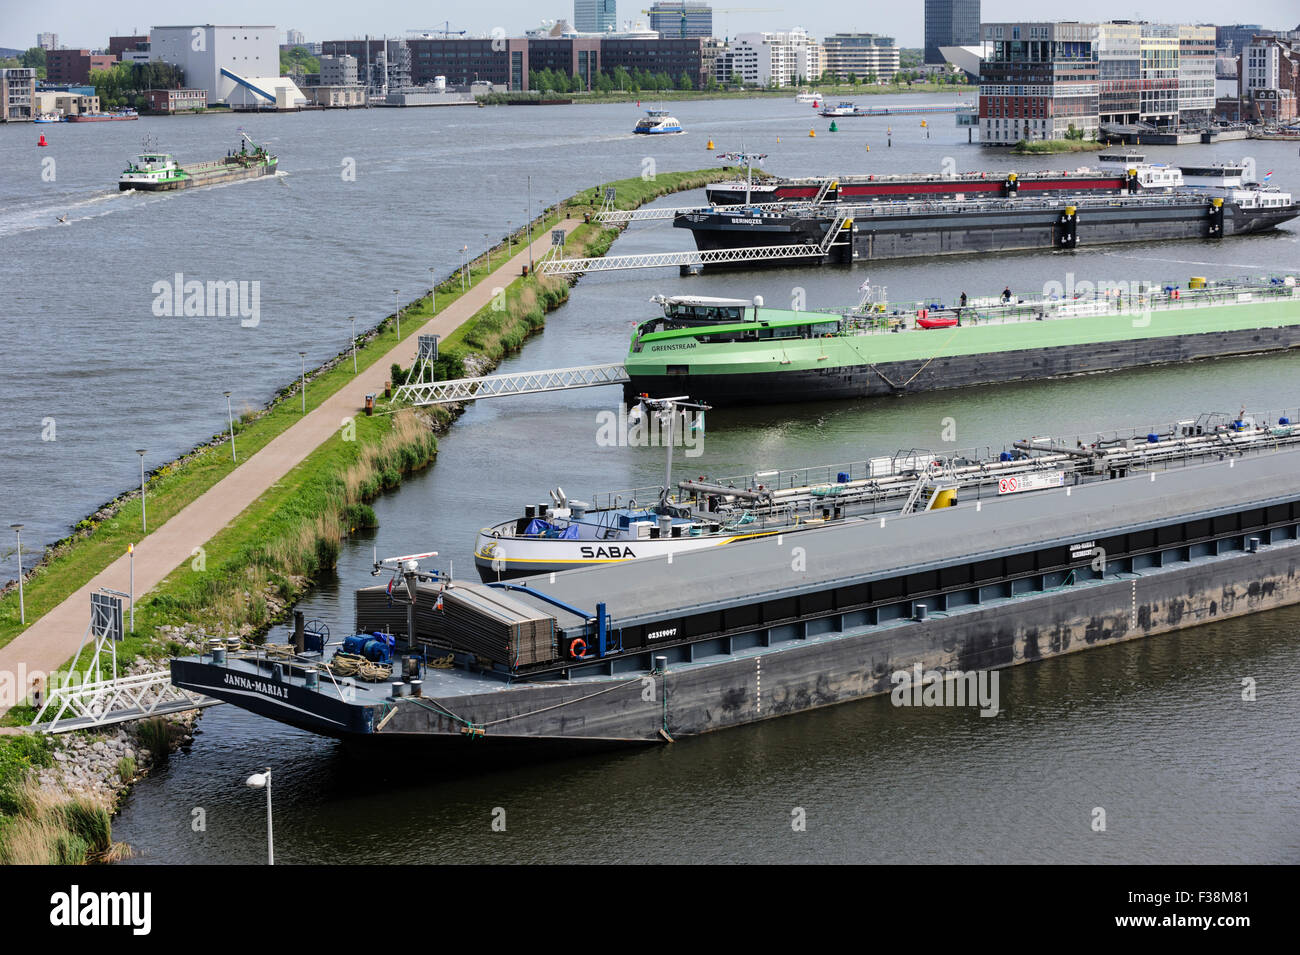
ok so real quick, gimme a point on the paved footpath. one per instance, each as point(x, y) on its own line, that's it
point(52, 640)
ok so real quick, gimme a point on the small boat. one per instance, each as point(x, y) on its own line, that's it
point(807, 97)
point(842, 109)
point(49, 118)
point(658, 122)
point(939, 321)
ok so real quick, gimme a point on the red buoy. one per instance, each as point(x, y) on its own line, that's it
point(42, 142)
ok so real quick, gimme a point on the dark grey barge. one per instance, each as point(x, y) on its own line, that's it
point(891, 230)
point(665, 648)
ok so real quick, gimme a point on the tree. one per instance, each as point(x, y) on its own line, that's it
point(684, 83)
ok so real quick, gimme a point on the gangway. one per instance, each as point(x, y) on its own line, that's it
point(521, 383)
point(618, 216)
point(108, 702)
point(656, 260)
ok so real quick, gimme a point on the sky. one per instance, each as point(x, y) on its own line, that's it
point(89, 23)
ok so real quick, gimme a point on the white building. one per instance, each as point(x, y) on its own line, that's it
point(208, 53)
point(774, 59)
point(47, 41)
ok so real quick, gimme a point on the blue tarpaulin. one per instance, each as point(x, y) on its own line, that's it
point(540, 528)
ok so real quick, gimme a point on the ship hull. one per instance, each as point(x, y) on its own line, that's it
point(212, 178)
point(891, 377)
point(887, 235)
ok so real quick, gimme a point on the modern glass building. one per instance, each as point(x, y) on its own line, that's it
point(950, 23)
point(681, 18)
point(595, 16)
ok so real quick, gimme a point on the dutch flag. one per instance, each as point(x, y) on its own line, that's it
point(1268, 175)
point(389, 590)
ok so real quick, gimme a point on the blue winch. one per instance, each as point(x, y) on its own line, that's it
point(375, 647)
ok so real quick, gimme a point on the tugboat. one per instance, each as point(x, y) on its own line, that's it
point(658, 122)
point(157, 172)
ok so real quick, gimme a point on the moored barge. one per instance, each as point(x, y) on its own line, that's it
point(670, 647)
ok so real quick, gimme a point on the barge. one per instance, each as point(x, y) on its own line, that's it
point(862, 232)
point(666, 648)
point(159, 172)
point(733, 351)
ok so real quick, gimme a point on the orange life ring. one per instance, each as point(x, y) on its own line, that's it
point(573, 648)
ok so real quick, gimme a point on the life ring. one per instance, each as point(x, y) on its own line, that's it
point(574, 650)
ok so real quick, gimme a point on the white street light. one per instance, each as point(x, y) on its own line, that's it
point(231, 415)
point(353, 320)
point(398, 305)
point(263, 781)
point(22, 610)
point(303, 355)
point(433, 291)
point(144, 523)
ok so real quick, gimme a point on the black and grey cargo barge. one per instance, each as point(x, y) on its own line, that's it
point(665, 648)
point(889, 230)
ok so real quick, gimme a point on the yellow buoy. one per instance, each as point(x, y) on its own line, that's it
point(868, 147)
point(710, 145)
point(812, 132)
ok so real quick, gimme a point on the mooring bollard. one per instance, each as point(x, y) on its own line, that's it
point(370, 405)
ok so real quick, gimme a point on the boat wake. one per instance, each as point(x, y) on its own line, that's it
point(49, 213)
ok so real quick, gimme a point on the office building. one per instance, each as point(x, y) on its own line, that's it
point(860, 55)
point(681, 18)
point(950, 23)
point(595, 16)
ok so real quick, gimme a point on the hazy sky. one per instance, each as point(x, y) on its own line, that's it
point(88, 23)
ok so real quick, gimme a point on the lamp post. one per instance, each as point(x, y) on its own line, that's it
point(144, 523)
point(230, 414)
point(130, 553)
point(433, 291)
point(488, 239)
point(510, 241)
point(303, 356)
point(530, 225)
point(353, 320)
point(397, 305)
point(464, 268)
point(263, 781)
point(22, 610)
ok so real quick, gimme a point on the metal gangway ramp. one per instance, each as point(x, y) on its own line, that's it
point(520, 383)
point(655, 260)
point(108, 702)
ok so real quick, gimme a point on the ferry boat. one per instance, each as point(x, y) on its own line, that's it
point(648, 651)
point(49, 118)
point(805, 96)
point(157, 171)
point(842, 109)
point(658, 122)
point(708, 513)
point(729, 352)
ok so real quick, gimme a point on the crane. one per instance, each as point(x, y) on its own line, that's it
point(446, 31)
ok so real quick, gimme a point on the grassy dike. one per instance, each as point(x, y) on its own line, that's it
point(248, 575)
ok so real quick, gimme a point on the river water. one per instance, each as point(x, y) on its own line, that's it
point(1154, 733)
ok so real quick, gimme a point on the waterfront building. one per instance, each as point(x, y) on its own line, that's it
point(208, 54)
point(175, 101)
point(790, 58)
point(595, 16)
point(1040, 79)
point(681, 18)
point(861, 55)
point(63, 102)
point(1268, 80)
point(950, 23)
point(17, 89)
point(118, 46)
point(74, 66)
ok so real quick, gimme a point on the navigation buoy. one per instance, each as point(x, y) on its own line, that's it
point(42, 141)
point(812, 132)
point(710, 145)
point(834, 128)
point(868, 147)
point(814, 104)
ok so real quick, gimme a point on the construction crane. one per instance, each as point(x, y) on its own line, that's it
point(446, 31)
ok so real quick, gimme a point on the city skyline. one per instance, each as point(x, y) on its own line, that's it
point(83, 23)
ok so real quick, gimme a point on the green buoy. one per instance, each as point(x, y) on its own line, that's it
point(834, 128)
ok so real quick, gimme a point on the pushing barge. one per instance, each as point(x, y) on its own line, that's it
point(674, 646)
point(159, 172)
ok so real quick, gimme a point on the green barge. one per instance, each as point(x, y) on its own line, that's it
point(733, 351)
point(159, 172)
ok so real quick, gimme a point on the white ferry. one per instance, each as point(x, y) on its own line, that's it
point(658, 122)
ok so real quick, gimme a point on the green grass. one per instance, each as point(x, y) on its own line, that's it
point(1051, 147)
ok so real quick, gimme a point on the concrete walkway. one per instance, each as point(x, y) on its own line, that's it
point(51, 641)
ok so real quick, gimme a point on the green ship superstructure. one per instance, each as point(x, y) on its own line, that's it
point(733, 351)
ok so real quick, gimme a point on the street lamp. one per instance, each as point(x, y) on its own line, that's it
point(510, 240)
point(303, 355)
point(353, 320)
point(488, 239)
point(398, 305)
point(231, 415)
point(530, 225)
point(144, 523)
point(433, 291)
point(263, 781)
point(22, 610)
point(464, 268)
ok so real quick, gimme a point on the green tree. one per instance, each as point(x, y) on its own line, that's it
point(684, 83)
point(34, 59)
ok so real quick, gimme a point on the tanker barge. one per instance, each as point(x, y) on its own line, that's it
point(732, 351)
point(664, 648)
point(159, 172)
point(848, 232)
